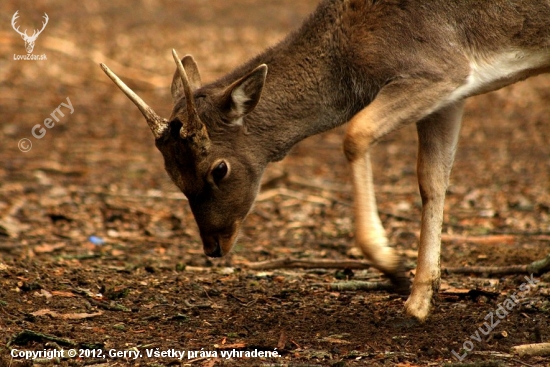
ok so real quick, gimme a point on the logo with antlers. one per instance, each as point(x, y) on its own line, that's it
point(29, 40)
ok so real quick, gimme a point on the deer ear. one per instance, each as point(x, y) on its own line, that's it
point(193, 75)
point(243, 95)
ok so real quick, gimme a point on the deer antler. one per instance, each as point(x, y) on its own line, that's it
point(191, 112)
point(194, 128)
point(13, 19)
point(156, 123)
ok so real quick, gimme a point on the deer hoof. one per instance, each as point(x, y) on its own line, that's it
point(419, 303)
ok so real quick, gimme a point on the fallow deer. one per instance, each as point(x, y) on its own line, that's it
point(376, 64)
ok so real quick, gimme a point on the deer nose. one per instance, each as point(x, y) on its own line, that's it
point(212, 247)
point(217, 243)
point(216, 251)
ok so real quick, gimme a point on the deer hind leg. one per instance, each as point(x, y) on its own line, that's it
point(397, 104)
point(437, 140)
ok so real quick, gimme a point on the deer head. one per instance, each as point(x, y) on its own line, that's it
point(205, 150)
point(29, 40)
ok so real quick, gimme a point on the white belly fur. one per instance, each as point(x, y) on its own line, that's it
point(497, 71)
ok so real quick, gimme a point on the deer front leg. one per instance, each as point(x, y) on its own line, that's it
point(437, 139)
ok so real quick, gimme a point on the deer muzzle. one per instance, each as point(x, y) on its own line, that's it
point(219, 243)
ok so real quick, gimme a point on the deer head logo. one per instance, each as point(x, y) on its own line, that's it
point(29, 40)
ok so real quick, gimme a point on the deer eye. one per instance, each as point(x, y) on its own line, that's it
point(219, 172)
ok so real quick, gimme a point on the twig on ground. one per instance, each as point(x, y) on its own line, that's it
point(472, 293)
point(101, 304)
point(536, 267)
point(197, 360)
point(28, 335)
point(522, 233)
point(492, 354)
point(288, 263)
point(539, 349)
point(522, 363)
point(356, 285)
point(475, 364)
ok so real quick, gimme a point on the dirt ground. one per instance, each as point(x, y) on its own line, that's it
point(100, 252)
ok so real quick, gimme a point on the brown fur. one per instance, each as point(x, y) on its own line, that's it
point(378, 64)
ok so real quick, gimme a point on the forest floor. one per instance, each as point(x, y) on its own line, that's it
point(99, 251)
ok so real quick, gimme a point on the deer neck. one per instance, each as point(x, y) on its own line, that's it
point(295, 104)
point(310, 88)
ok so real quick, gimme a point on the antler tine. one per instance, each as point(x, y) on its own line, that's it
point(194, 128)
point(156, 123)
point(191, 112)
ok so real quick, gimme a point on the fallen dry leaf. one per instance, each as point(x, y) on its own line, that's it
point(116, 252)
point(42, 249)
